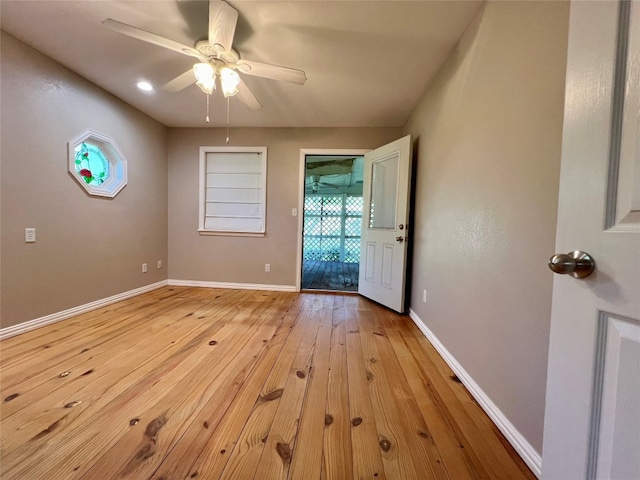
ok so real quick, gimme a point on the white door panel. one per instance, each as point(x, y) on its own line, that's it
point(370, 264)
point(387, 265)
point(387, 177)
point(619, 442)
point(592, 418)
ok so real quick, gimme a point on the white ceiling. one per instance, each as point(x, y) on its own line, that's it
point(367, 62)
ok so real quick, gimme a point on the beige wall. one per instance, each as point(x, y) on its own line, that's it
point(488, 137)
point(87, 248)
point(242, 259)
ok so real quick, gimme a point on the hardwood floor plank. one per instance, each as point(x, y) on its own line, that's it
point(212, 458)
point(459, 459)
point(394, 447)
point(18, 344)
point(275, 460)
point(56, 348)
point(246, 455)
point(221, 377)
point(367, 457)
point(107, 317)
point(424, 452)
point(112, 407)
point(486, 444)
point(337, 463)
point(307, 451)
point(45, 411)
point(183, 383)
point(105, 372)
point(76, 364)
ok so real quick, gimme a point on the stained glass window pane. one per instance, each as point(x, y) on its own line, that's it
point(91, 164)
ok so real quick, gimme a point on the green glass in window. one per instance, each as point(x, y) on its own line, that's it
point(91, 164)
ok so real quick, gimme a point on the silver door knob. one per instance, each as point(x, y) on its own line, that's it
point(577, 264)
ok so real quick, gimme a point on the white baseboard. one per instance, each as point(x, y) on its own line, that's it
point(87, 307)
point(236, 286)
point(529, 454)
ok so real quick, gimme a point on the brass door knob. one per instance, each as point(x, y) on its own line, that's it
point(400, 239)
point(577, 264)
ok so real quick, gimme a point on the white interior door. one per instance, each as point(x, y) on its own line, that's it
point(383, 250)
point(592, 419)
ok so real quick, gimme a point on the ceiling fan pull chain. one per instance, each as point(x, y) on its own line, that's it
point(227, 120)
point(207, 118)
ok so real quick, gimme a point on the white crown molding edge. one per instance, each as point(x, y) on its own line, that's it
point(87, 307)
point(229, 285)
point(529, 454)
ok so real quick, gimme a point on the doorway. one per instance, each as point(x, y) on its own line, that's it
point(331, 221)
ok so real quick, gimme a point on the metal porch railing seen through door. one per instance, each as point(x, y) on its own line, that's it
point(332, 226)
point(332, 218)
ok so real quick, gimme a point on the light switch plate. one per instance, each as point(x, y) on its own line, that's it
point(30, 235)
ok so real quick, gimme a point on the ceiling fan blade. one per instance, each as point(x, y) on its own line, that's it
point(222, 25)
point(149, 37)
point(180, 82)
point(247, 98)
point(275, 72)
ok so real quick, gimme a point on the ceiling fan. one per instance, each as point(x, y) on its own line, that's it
point(216, 57)
point(337, 181)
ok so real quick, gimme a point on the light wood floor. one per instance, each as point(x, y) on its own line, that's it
point(185, 383)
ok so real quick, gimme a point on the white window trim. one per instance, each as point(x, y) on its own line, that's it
point(202, 190)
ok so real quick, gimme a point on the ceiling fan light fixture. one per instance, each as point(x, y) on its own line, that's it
point(230, 81)
point(214, 54)
point(205, 76)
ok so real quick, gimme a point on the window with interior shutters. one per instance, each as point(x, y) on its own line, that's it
point(233, 190)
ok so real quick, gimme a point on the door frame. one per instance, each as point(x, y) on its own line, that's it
point(301, 183)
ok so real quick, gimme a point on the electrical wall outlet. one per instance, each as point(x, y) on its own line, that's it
point(424, 296)
point(144, 268)
point(267, 267)
point(30, 235)
point(159, 264)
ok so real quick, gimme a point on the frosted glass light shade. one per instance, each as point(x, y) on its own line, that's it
point(230, 80)
point(205, 76)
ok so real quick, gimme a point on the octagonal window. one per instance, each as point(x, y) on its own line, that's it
point(98, 165)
